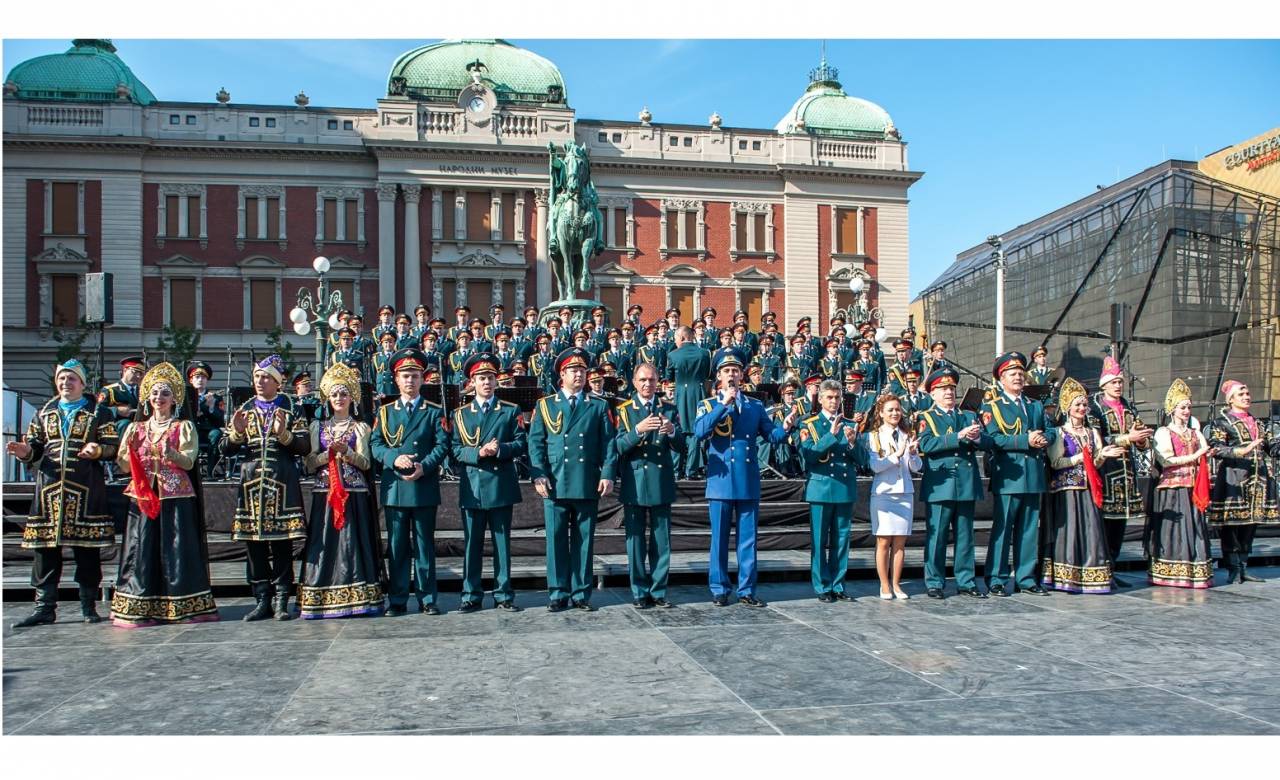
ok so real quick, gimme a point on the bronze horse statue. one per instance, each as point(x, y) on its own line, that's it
point(573, 224)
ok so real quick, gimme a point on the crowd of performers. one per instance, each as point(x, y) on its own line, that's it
point(845, 411)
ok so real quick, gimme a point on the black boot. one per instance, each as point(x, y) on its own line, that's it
point(261, 610)
point(87, 610)
point(282, 606)
point(46, 612)
point(1245, 576)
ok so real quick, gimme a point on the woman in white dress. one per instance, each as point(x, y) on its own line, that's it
point(894, 454)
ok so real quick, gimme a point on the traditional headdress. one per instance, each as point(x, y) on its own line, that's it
point(272, 366)
point(1110, 371)
point(341, 375)
point(1229, 388)
point(75, 367)
point(1178, 392)
point(1071, 390)
point(163, 374)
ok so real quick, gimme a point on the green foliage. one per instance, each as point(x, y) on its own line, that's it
point(277, 344)
point(178, 345)
point(71, 341)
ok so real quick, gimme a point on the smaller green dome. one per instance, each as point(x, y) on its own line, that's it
point(88, 72)
point(440, 71)
point(825, 109)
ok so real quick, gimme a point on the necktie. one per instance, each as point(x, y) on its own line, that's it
point(484, 408)
point(573, 403)
point(895, 437)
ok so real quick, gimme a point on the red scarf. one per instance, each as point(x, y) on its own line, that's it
point(140, 485)
point(1200, 494)
point(337, 499)
point(1091, 472)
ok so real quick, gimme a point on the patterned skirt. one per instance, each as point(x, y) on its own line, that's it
point(340, 571)
point(1177, 541)
point(164, 570)
point(1075, 553)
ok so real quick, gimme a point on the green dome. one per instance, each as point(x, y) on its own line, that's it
point(439, 71)
point(89, 71)
point(825, 109)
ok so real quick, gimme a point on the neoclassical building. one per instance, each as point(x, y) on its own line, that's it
point(208, 215)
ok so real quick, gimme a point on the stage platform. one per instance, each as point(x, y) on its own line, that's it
point(1145, 661)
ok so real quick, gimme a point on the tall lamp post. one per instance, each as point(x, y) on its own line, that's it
point(997, 254)
point(322, 310)
point(857, 311)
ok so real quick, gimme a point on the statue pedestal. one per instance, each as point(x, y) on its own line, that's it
point(581, 311)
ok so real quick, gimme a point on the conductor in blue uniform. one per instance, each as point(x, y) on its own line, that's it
point(731, 423)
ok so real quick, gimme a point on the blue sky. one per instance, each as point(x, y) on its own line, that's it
point(1004, 130)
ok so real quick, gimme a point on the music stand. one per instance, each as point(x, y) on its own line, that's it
point(452, 396)
point(525, 381)
point(771, 390)
point(524, 397)
point(972, 401)
point(1037, 392)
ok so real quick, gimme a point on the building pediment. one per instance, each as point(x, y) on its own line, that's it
point(60, 253)
point(683, 271)
point(261, 265)
point(753, 274)
point(181, 262)
point(613, 268)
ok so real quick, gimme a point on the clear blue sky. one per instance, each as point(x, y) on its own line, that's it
point(1005, 131)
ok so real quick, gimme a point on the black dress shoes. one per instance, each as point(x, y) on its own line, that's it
point(509, 606)
point(467, 606)
point(934, 593)
point(431, 608)
point(640, 603)
point(1245, 576)
point(87, 611)
point(558, 605)
point(1037, 589)
point(720, 601)
point(585, 606)
point(661, 603)
point(45, 613)
point(973, 593)
point(840, 595)
point(392, 611)
point(827, 598)
point(750, 601)
point(998, 590)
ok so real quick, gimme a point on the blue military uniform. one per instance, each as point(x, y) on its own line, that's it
point(733, 481)
point(831, 488)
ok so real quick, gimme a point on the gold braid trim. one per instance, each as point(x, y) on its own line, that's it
point(393, 440)
point(555, 426)
point(1005, 428)
point(469, 440)
point(929, 419)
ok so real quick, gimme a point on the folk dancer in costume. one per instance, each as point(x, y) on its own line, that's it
point(66, 443)
point(270, 434)
point(164, 562)
point(342, 561)
point(1040, 372)
point(829, 446)
point(121, 396)
point(1111, 414)
point(950, 484)
point(1244, 492)
point(409, 440)
point(648, 444)
point(487, 440)
point(1076, 558)
point(572, 461)
point(689, 366)
point(1177, 534)
point(732, 423)
point(893, 455)
point(1020, 435)
point(210, 411)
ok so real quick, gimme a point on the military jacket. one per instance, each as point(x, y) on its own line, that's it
point(384, 378)
point(207, 419)
point(1016, 466)
point(950, 463)
point(897, 378)
point(732, 437)
point(871, 375)
point(690, 367)
point(416, 430)
point(832, 368)
point(491, 481)
point(119, 394)
point(572, 448)
point(831, 462)
point(1039, 376)
point(768, 367)
point(646, 465)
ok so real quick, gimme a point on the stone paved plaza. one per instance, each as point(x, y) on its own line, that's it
point(1147, 661)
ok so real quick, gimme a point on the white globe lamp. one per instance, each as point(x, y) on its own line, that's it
point(857, 285)
point(881, 335)
point(297, 314)
point(321, 264)
point(302, 328)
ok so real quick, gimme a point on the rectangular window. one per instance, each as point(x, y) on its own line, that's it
point(675, 141)
point(66, 208)
point(620, 227)
point(611, 297)
point(760, 233)
point(191, 119)
point(602, 137)
point(847, 231)
point(250, 218)
point(333, 124)
point(66, 300)
point(690, 230)
point(753, 305)
point(446, 215)
point(330, 219)
point(509, 298)
point(673, 230)
point(352, 215)
point(509, 218)
point(271, 121)
point(193, 216)
point(479, 296)
point(262, 304)
point(688, 140)
point(740, 233)
point(682, 299)
point(171, 217)
point(348, 124)
point(844, 299)
point(175, 119)
point(742, 145)
point(253, 121)
point(182, 303)
point(617, 138)
point(478, 218)
point(273, 218)
point(755, 146)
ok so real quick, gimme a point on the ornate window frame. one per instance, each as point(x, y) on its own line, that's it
point(58, 260)
point(699, 244)
point(182, 267)
point(750, 208)
point(48, 205)
point(261, 267)
point(752, 278)
point(476, 266)
point(860, 252)
point(612, 274)
point(183, 191)
point(340, 194)
point(261, 192)
point(628, 244)
point(683, 275)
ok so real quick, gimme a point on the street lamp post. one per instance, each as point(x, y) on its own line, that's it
point(997, 254)
point(857, 311)
point(322, 309)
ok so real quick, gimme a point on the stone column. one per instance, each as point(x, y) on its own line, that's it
point(386, 243)
point(543, 269)
point(412, 247)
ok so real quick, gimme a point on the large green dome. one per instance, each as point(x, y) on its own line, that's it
point(825, 109)
point(89, 71)
point(439, 71)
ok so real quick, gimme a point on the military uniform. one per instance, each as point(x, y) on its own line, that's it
point(412, 428)
point(831, 488)
point(950, 484)
point(119, 394)
point(488, 487)
point(647, 470)
point(689, 366)
point(571, 446)
point(1018, 481)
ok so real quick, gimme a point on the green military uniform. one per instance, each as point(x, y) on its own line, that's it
point(487, 490)
point(119, 394)
point(949, 484)
point(897, 377)
point(571, 445)
point(915, 403)
point(413, 429)
point(647, 471)
point(690, 367)
point(384, 379)
point(830, 489)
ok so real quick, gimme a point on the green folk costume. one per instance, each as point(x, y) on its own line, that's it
point(571, 445)
point(488, 488)
point(950, 484)
point(647, 473)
